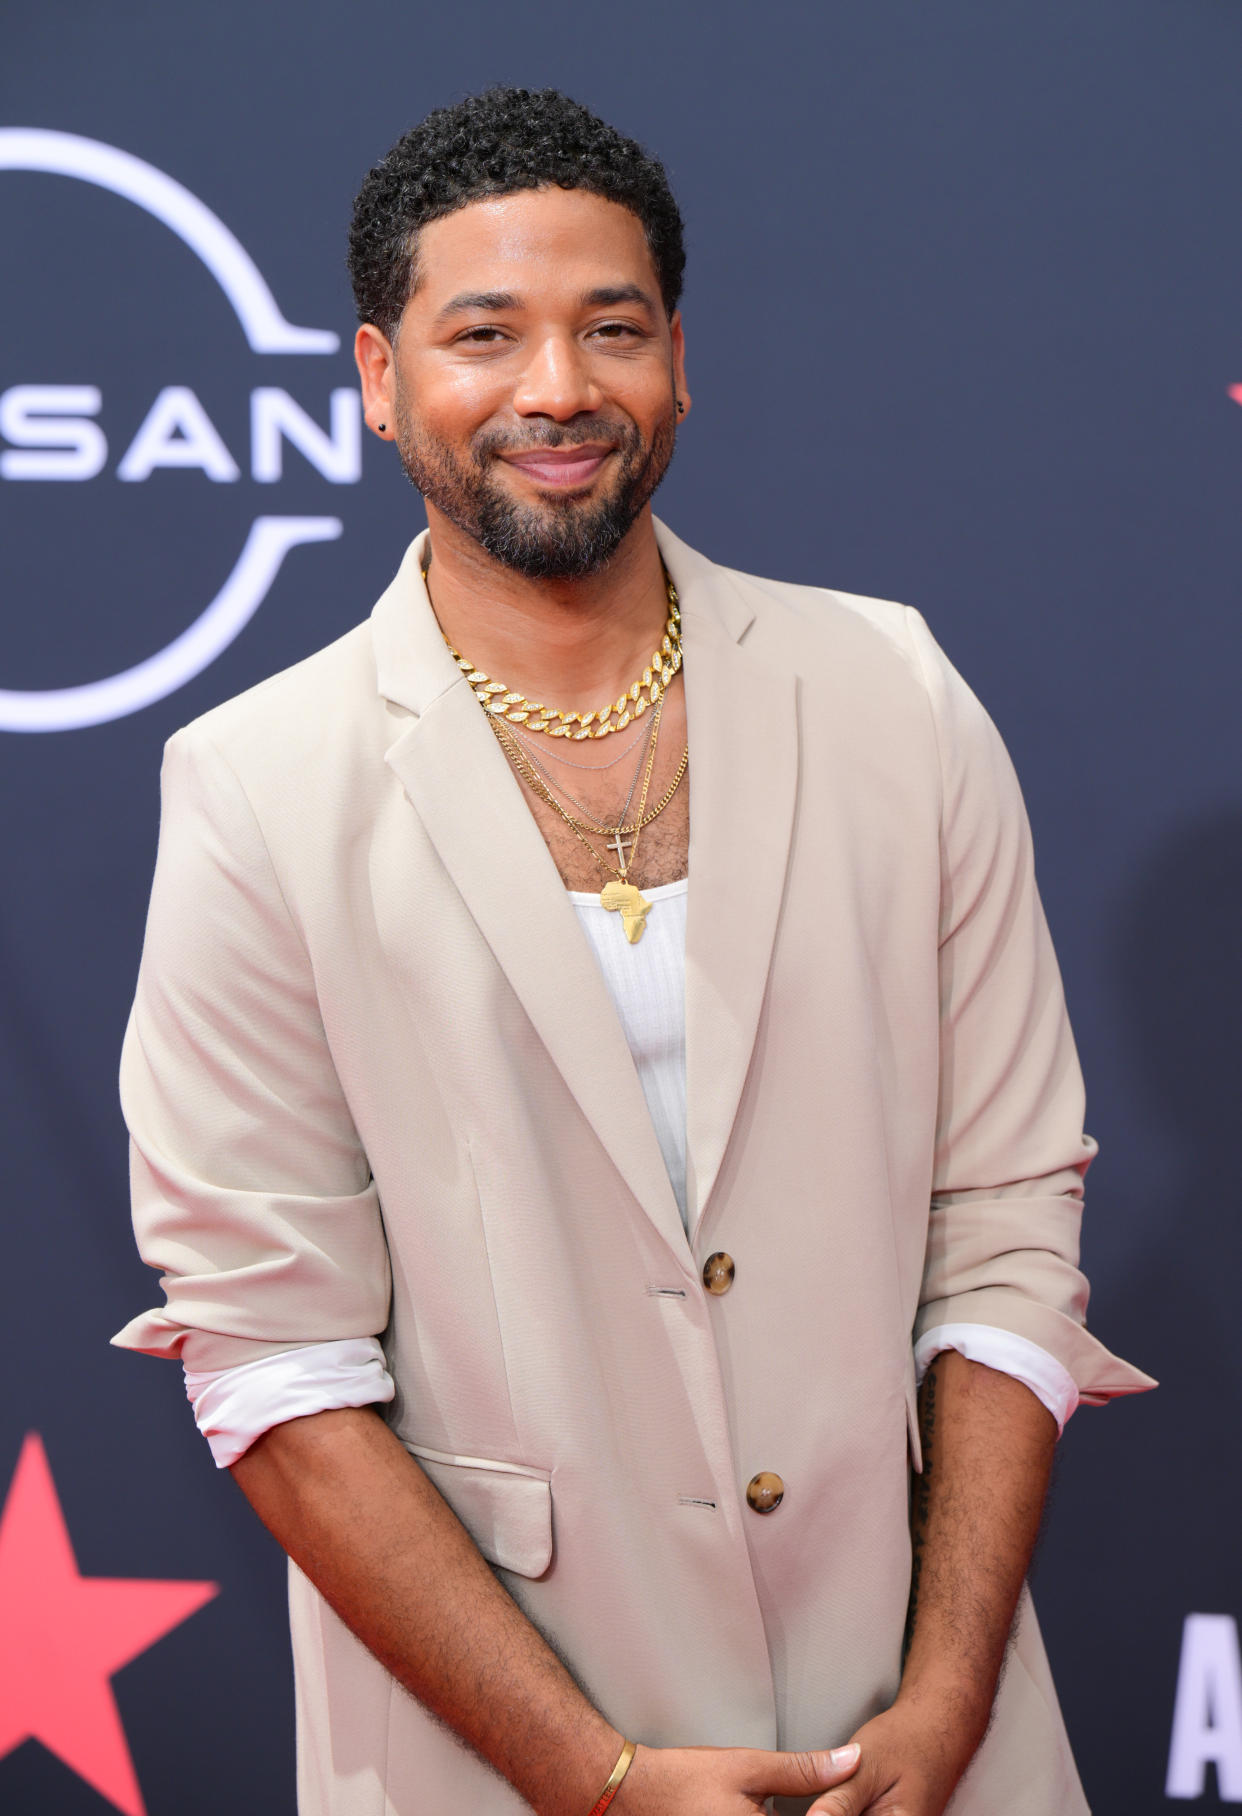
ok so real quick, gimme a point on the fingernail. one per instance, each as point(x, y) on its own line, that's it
point(844, 1756)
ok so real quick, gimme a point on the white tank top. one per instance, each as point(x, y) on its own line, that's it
point(647, 983)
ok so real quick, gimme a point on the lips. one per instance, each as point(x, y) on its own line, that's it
point(560, 469)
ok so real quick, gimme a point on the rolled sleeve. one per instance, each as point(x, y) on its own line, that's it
point(234, 1406)
point(1010, 1151)
point(1052, 1385)
point(251, 1191)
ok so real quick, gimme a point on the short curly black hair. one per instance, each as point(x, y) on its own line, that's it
point(494, 143)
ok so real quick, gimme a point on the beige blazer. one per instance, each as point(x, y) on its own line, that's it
point(376, 1085)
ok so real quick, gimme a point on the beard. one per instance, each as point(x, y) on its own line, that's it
point(555, 538)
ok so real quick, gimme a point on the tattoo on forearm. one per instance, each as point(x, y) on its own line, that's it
point(922, 1500)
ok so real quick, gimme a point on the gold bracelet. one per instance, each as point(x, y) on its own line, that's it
point(614, 1783)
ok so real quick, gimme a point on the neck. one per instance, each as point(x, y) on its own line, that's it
point(570, 643)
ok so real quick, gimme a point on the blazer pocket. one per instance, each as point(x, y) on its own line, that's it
point(505, 1507)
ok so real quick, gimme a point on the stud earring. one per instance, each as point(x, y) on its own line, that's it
point(381, 426)
point(681, 408)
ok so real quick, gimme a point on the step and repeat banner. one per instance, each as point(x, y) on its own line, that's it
point(964, 326)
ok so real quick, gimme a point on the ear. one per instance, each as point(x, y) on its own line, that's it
point(377, 370)
point(679, 365)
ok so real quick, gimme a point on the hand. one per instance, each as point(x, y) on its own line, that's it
point(724, 1781)
point(911, 1763)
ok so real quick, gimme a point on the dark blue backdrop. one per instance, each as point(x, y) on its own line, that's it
point(963, 315)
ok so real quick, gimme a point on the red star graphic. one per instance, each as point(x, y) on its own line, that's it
point(63, 1635)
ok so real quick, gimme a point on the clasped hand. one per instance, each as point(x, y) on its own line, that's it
point(898, 1764)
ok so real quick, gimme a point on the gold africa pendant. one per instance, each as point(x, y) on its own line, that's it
point(633, 907)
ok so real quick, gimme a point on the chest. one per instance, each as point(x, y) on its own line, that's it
point(608, 794)
point(661, 856)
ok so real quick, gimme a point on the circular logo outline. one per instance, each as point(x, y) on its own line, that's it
point(270, 538)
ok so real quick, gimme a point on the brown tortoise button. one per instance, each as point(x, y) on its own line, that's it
point(718, 1272)
point(765, 1492)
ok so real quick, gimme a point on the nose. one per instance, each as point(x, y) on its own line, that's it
point(556, 381)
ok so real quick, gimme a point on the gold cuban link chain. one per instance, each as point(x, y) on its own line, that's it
point(501, 702)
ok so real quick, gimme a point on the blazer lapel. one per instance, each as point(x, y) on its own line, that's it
point(471, 804)
point(743, 733)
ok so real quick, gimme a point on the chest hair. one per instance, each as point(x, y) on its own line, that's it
point(663, 846)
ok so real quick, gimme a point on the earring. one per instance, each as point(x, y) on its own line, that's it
point(681, 408)
point(381, 426)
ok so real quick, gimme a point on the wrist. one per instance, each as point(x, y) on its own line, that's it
point(573, 1786)
point(938, 1675)
point(951, 1709)
point(639, 1791)
point(616, 1779)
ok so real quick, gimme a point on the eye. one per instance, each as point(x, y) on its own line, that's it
point(617, 331)
point(480, 337)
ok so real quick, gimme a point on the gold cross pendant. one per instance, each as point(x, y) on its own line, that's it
point(622, 847)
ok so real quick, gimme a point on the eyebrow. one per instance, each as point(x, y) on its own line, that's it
point(496, 302)
point(475, 302)
point(609, 295)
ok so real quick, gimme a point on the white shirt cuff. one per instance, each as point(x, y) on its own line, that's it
point(234, 1406)
point(1049, 1380)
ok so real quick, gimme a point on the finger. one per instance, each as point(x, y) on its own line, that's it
point(850, 1800)
point(802, 1774)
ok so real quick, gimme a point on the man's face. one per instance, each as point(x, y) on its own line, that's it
point(534, 382)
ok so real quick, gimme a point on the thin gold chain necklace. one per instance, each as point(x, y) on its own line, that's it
point(501, 702)
point(522, 763)
point(555, 751)
point(618, 895)
point(553, 782)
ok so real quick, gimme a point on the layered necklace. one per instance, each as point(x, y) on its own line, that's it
point(513, 717)
point(501, 702)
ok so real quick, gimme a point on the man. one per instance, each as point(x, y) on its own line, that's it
point(632, 1159)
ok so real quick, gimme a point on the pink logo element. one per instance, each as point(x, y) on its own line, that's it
point(1235, 391)
point(63, 1635)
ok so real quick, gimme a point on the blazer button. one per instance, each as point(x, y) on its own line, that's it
point(718, 1272)
point(765, 1492)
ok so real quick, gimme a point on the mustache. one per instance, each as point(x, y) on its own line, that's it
point(620, 431)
